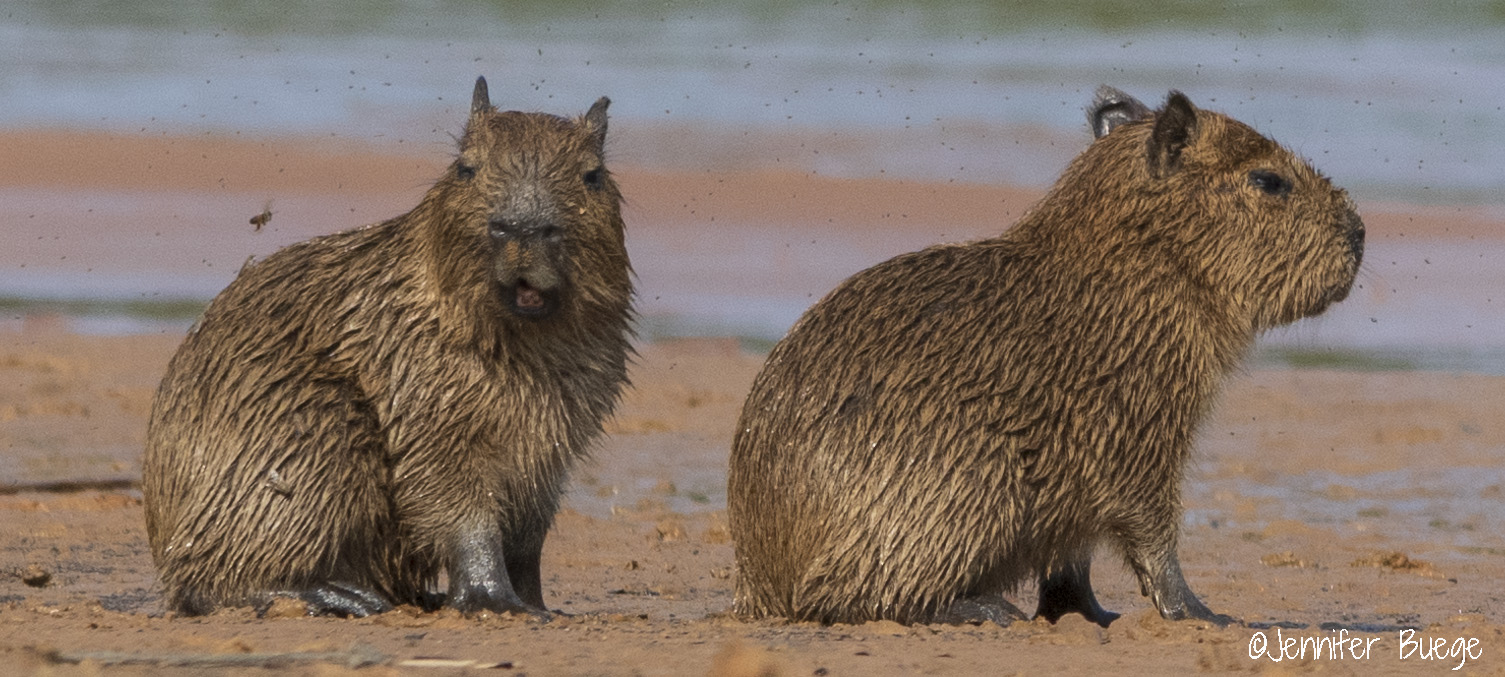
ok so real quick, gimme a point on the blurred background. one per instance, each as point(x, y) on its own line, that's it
point(1401, 102)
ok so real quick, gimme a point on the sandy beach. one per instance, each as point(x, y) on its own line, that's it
point(1321, 503)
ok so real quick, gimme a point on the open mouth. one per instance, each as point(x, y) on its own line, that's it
point(528, 300)
point(527, 297)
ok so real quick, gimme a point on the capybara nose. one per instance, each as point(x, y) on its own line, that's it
point(1356, 237)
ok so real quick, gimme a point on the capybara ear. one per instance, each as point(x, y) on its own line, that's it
point(595, 120)
point(1112, 108)
point(480, 99)
point(1174, 127)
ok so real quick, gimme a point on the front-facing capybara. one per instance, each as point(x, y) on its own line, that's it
point(360, 411)
point(952, 422)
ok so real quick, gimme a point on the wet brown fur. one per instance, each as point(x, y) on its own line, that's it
point(952, 422)
point(354, 405)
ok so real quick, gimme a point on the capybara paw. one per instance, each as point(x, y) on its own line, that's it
point(1219, 620)
point(537, 613)
point(525, 610)
point(1070, 591)
point(429, 600)
point(978, 610)
point(1102, 616)
point(339, 599)
point(1197, 611)
point(1095, 613)
point(474, 604)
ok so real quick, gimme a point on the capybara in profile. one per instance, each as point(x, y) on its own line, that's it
point(359, 412)
point(952, 422)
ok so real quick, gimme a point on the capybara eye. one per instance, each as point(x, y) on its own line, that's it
point(465, 172)
point(1270, 183)
point(595, 178)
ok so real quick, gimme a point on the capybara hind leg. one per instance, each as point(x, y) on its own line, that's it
point(523, 567)
point(1160, 579)
point(300, 504)
point(479, 580)
point(1069, 589)
point(338, 599)
point(975, 610)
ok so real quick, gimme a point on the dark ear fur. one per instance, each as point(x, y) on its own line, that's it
point(480, 99)
point(1175, 124)
point(1112, 108)
point(595, 120)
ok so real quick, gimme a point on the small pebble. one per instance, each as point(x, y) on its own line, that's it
point(35, 576)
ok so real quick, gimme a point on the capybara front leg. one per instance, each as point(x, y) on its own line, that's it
point(338, 599)
point(1069, 589)
point(1160, 579)
point(479, 580)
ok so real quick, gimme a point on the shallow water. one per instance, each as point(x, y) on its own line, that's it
point(1450, 508)
point(1419, 304)
point(1398, 100)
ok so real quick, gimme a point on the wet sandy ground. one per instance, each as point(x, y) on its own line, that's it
point(1370, 501)
point(1367, 501)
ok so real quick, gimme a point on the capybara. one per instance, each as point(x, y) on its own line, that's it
point(951, 422)
point(359, 412)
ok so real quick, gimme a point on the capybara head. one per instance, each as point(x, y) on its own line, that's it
point(532, 192)
point(1270, 233)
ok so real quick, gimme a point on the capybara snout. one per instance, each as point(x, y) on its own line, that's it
point(1355, 232)
point(528, 240)
point(528, 268)
point(1350, 230)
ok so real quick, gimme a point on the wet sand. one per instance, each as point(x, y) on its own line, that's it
point(1368, 500)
